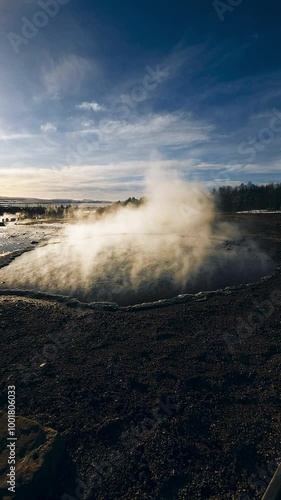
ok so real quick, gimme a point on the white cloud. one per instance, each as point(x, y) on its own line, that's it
point(90, 106)
point(48, 127)
point(87, 123)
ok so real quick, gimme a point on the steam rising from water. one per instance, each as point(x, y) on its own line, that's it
point(133, 253)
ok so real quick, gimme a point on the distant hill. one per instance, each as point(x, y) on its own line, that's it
point(39, 201)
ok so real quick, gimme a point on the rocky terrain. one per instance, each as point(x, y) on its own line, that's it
point(177, 402)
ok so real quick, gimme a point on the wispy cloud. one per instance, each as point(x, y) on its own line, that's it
point(14, 136)
point(116, 179)
point(65, 76)
point(113, 181)
point(152, 131)
point(87, 123)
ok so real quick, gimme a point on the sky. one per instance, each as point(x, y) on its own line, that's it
point(96, 96)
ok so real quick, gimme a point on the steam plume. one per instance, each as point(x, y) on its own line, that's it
point(142, 251)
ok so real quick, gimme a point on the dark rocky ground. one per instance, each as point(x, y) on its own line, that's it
point(181, 402)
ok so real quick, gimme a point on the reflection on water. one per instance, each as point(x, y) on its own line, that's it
point(15, 237)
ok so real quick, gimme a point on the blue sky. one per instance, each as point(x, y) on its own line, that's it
point(95, 95)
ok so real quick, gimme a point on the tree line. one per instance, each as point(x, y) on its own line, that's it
point(39, 211)
point(227, 198)
point(69, 211)
point(248, 197)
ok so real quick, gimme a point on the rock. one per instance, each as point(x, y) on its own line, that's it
point(38, 453)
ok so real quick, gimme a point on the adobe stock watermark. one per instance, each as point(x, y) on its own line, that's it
point(139, 93)
point(222, 7)
point(11, 439)
point(30, 27)
point(245, 327)
point(265, 136)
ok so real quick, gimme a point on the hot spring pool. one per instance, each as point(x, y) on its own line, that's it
point(129, 273)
